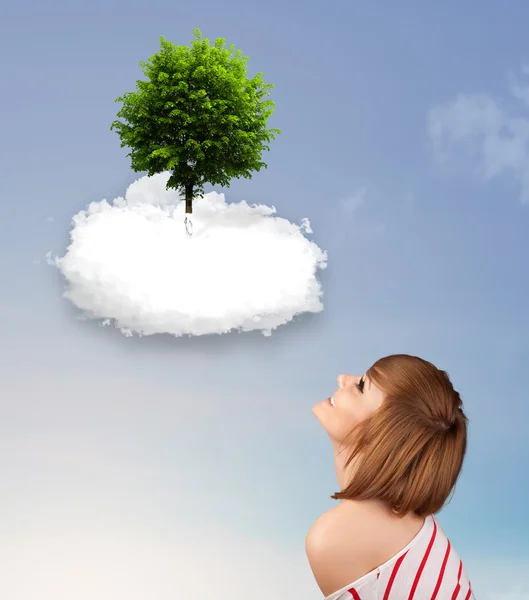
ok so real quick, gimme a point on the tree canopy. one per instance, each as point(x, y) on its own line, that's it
point(198, 116)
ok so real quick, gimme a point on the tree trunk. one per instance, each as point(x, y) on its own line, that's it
point(189, 200)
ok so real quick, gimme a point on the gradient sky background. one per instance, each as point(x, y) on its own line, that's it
point(163, 468)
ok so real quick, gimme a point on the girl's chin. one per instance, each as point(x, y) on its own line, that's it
point(322, 408)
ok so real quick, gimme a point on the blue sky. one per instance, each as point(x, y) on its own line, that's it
point(404, 143)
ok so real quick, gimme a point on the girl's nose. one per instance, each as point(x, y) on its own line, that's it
point(344, 379)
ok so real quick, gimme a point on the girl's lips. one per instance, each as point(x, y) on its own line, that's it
point(329, 402)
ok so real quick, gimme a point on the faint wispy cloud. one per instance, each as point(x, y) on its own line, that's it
point(493, 136)
point(353, 202)
point(520, 91)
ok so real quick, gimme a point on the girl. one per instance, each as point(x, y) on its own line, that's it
point(407, 437)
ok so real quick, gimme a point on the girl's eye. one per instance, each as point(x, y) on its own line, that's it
point(360, 385)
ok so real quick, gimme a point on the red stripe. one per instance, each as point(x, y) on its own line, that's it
point(354, 594)
point(441, 573)
point(393, 575)
point(469, 591)
point(423, 562)
point(458, 586)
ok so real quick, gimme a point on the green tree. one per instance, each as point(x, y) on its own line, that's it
point(198, 116)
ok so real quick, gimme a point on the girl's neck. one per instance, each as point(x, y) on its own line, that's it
point(343, 473)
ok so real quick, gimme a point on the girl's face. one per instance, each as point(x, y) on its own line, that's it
point(355, 399)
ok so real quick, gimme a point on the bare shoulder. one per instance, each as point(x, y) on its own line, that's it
point(339, 546)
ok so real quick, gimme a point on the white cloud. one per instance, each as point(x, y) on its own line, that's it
point(131, 263)
point(493, 136)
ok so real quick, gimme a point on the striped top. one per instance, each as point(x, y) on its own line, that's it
point(428, 568)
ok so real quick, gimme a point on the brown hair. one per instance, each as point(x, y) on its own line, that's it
point(410, 451)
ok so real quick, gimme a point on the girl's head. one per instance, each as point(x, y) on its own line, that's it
point(405, 430)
